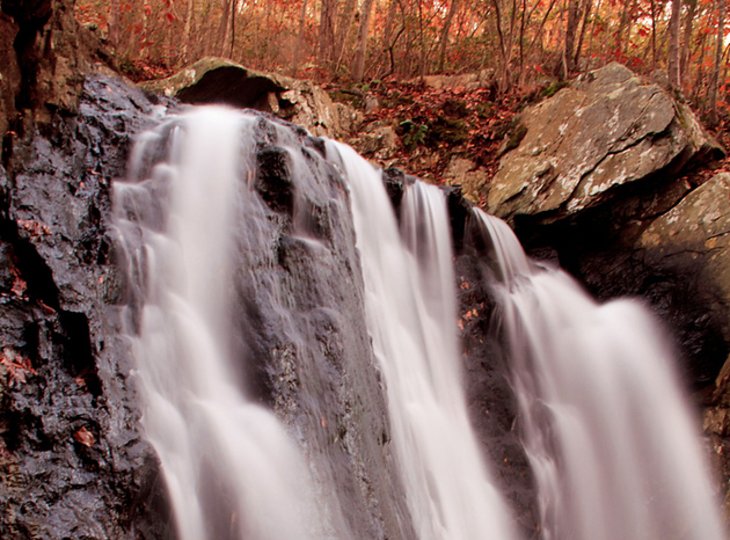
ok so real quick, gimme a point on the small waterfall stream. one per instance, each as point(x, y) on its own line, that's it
point(411, 308)
point(231, 469)
point(606, 431)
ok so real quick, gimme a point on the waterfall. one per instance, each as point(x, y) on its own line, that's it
point(296, 388)
point(608, 432)
point(411, 313)
point(231, 469)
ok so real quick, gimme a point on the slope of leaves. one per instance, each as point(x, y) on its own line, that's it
point(435, 124)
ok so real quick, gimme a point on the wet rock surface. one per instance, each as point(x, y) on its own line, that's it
point(490, 398)
point(305, 336)
point(606, 130)
point(72, 461)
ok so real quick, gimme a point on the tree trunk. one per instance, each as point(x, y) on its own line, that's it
point(444, 39)
point(653, 34)
point(586, 15)
point(714, 79)
point(570, 30)
point(114, 23)
point(503, 81)
point(187, 32)
point(422, 41)
point(343, 28)
point(687, 38)
point(224, 27)
point(673, 60)
point(300, 39)
point(623, 23)
point(327, 33)
point(358, 66)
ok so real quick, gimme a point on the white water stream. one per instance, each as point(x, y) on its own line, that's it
point(411, 310)
point(231, 469)
point(609, 434)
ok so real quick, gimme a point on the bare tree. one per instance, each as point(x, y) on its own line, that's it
point(714, 78)
point(673, 63)
point(587, 6)
point(687, 37)
point(570, 31)
point(444, 38)
point(327, 33)
point(358, 66)
point(300, 39)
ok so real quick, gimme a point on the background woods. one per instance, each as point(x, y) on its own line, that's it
point(517, 44)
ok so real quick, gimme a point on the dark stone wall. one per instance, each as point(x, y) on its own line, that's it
point(72, 461)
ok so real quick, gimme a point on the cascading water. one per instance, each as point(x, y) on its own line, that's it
point(610, 442)
point(607, 430)
point(231, 469)
point(411, 310)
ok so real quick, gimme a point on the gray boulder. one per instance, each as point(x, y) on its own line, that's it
point(216, 80)
point(693, 238)
point(604, 131)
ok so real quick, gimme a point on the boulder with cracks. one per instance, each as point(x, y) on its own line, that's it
point(606, 130)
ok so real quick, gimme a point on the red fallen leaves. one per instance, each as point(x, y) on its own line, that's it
point(85, 437)
point(19, 284)
point(35, 228)
point(18, 367)
point(482, 121)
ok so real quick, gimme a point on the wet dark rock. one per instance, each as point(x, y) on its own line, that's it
point(490, 399)
point(396, 182)
point(273, 180)
point(304, 341)
point(10, 80)
point(73, 462)
point(217, 80)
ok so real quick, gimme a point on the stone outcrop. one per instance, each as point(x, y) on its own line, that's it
point(693, 238)
point(216, 80)
point(467, 174)
point(604, 131)
point(73, 463)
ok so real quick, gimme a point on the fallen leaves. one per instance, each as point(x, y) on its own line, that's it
point(85, 437)
point(35, 228)
point(17, 366)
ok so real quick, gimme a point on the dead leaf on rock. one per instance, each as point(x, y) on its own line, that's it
point(85, 437)
point(35, 228)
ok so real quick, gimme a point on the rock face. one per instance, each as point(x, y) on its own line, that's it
point(72, 461)
point(216, 80)
point(606, 130)
point(9, 73)
point(693, 239)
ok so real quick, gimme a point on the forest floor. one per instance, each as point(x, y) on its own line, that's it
point(436, 124)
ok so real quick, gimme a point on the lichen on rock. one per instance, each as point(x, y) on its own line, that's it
point(605, 130)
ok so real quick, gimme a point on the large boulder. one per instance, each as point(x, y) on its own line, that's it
point(693, 238)
point(216, 80)
point(604, 131)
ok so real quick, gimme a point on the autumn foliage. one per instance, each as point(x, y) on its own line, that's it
point(521, 44)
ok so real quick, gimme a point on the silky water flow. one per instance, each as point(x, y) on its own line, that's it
point(231, 469)
point(410, 301)
point(609, 434)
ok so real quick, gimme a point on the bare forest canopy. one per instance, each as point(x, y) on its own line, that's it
point(515, 44)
